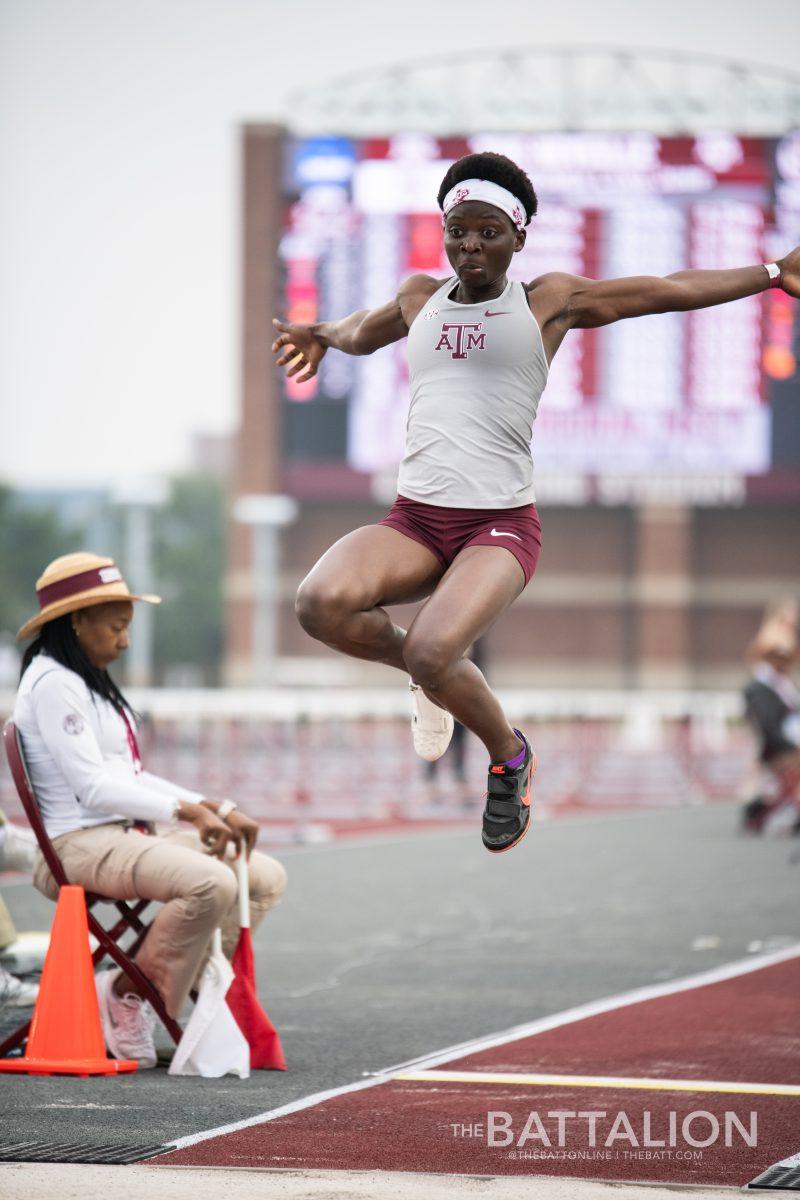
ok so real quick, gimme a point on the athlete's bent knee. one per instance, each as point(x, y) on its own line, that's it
point(427, 661)
point(322, 608)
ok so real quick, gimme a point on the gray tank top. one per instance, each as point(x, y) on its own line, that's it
point(476, 373)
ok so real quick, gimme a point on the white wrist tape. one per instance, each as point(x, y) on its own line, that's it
point(774, 272)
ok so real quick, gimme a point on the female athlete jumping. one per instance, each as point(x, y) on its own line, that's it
point(464, 531)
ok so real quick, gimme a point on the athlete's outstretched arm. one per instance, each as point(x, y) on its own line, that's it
point(302, 347)
point(576, 303)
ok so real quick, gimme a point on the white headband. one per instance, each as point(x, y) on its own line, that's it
point(492, 193)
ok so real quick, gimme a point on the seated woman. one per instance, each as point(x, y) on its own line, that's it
point(99, 806)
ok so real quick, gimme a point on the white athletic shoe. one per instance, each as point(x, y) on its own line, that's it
point(26, 954)
point(128, 1022)
point(431, 726)
point(17, 847)
point(15, 993)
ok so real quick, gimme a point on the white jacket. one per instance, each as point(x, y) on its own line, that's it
point(79, 757)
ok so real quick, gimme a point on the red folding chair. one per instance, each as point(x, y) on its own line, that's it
point(130, 914)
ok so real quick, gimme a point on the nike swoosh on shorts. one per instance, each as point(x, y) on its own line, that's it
point(504, 533)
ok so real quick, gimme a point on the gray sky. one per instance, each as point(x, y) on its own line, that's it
point(119, 188)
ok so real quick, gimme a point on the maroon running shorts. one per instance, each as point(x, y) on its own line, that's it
point(448, 531)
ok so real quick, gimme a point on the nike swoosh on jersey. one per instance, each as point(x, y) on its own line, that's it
point(505, 312)
point(505, 533)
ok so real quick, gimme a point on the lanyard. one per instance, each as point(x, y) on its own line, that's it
point(132, 743)
point(141, 826)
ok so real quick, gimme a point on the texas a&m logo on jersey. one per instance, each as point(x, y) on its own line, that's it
point(460, 337)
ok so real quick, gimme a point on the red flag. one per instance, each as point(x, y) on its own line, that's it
point(266, 1052)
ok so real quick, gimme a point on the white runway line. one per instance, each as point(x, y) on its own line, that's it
point(594, 1008)
point(192, 1139)
point(603, 1081)
point(461, 1049)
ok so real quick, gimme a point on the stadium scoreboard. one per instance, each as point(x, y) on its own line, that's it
point(678, 393)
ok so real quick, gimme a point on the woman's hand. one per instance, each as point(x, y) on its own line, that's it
point(790, 272)
point(214, 833)
point(244, 827)
point(298, 349)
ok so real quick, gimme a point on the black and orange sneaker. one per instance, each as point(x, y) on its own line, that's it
point(508, 801)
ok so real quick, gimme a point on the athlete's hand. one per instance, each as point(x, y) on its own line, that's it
point(790, 272)
point(298, 350)
point(245, 827)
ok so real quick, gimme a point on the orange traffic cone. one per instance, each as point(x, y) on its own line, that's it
point(66, 1037)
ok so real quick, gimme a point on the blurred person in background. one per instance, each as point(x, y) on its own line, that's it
point(14, 992)
point(9, 662)
point(100, 806)
point(17, 846)
point(18, 954)
point(464, 534)
point(772, 706)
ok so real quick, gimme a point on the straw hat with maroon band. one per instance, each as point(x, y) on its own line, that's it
point(78, 581)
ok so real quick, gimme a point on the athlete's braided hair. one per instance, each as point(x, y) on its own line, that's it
point(497, 169)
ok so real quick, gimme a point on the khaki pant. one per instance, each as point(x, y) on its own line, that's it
point(8, 933)
point(198, 893)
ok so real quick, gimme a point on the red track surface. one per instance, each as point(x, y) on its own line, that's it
point(741, 1030)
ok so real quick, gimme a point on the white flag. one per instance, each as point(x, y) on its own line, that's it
point(212, 1042)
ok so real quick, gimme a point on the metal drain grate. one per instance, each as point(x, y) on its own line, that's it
point(780, 1176)
point(119, 1153)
